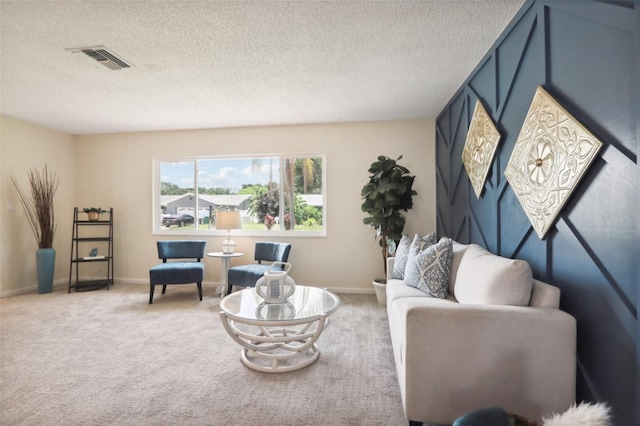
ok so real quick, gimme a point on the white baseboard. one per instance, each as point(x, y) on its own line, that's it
point(64, 282)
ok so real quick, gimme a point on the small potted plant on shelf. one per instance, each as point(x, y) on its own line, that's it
point(94, 213)
point(387, 194)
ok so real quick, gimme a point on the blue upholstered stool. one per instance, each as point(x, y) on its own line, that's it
point(178, 272)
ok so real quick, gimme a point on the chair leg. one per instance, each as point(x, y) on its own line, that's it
point(164, 288)
point(229, 288)
point(153, 287)
point(200, 290)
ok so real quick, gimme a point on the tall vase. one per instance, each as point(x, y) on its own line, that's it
point(45, 264)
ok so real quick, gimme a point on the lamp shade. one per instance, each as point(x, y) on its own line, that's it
point(229, 220)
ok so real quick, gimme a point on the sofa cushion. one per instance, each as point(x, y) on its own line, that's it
point(397, 289)
point(401, 255)
point(484, 278)
point(429, 270)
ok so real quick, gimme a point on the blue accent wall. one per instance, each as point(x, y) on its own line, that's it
point(586, 54)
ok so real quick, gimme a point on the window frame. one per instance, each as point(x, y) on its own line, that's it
point(156, 228)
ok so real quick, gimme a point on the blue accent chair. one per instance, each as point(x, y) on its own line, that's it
point(180, 271)
point(247, 275)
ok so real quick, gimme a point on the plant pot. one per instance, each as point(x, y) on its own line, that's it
point(45, 265)
point(380, 286)
point(94, 216)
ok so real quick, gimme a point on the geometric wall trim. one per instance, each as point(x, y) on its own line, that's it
point(480, 147)
point(552, 153)
point(586, 55)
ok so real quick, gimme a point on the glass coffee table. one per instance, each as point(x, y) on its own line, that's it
point(278, 337)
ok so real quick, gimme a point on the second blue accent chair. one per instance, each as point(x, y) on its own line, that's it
point(178, 272)
point(247, 275)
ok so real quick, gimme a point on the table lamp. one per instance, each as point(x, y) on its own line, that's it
point(228, 220)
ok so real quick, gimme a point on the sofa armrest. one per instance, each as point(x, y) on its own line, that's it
point(391, 261)
point(456, 358)
point(544, 295)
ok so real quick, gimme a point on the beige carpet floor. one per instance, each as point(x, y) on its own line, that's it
point(109, 358)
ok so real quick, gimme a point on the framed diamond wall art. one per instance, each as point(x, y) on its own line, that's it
point(480, 147)
point(552, 153)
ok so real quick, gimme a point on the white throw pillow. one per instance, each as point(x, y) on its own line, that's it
point(402, 254)
point(486, 279)
point(429, 270)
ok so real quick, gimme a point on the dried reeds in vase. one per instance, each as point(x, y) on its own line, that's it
point(39, 206)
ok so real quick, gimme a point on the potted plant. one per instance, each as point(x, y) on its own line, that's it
point(93, 213)
point(385, 197)
point(39, 210)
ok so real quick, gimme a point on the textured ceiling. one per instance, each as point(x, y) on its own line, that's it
point(208, 64)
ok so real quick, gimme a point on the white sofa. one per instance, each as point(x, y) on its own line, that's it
point(498, 339)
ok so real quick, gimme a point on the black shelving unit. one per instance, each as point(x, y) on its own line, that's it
point(100, 233)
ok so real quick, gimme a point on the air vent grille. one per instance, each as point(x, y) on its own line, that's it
point(103, 56)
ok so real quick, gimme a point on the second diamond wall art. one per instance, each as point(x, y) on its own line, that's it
point(480, 147)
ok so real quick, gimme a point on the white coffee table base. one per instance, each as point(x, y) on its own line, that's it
point(271, 347)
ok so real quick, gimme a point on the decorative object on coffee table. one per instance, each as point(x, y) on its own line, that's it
point(552, 153)
point(480, 147)
point(276, 285)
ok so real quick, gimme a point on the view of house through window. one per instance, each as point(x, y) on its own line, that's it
point(272, 193)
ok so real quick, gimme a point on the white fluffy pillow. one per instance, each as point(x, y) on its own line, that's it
point(585, 414)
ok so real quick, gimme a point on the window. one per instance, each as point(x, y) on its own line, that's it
point(276, 193)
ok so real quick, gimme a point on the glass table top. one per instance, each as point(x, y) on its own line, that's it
point(306, 303)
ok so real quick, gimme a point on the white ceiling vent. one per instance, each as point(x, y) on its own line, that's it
point(104, 57)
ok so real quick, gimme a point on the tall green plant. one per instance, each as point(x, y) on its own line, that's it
point(385, 197)
point(39, 206)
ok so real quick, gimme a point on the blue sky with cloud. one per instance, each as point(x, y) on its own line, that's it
point(229, 173)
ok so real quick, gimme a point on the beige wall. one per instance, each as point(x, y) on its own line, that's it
point(114, 170)
point(24, 146)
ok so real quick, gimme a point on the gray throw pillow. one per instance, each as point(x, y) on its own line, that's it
point(429, 270)
point(402, 254)
point(418, 244)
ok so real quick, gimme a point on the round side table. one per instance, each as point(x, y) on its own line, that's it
point(224, 273)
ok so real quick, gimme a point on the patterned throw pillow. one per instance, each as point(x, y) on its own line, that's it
point(402, 254)
point(429, 270)
point(418, 244)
